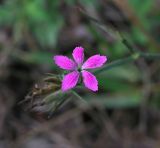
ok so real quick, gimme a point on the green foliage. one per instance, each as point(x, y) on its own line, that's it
point(143, 14)
point(35, 16)
point(120, 101)
point(41, 17)
point(138, 36)
point(120, 79)
point(143, 7)
point(35, 57)
point(83, 2)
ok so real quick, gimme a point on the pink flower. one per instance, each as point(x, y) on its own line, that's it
point(78, 67)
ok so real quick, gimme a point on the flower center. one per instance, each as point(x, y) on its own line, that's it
point(79, 69)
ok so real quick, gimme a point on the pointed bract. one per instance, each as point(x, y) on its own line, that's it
point(94, 62)
point(90, 80)
point(64, 62)
point(78, 55)
point(70, 80)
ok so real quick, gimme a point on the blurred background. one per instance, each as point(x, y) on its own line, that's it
point(124, 113)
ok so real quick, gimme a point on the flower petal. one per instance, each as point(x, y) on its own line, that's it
point(78, 55)
point(70, 80)
point(64, 62)
point(90, 80)
point(94, 62)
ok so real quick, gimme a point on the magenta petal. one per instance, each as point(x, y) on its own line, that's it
point(90, 80)
point(70, 80)
point(64, 62)
point(94, 62)
point(78, 55)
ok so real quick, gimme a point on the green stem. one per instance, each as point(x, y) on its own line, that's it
point(151, 56)
point(127, 44)
point(129, 59)
point(117, 63)
point(78, 96)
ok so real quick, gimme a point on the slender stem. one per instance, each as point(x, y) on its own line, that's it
point(116, 63)
point(151, 56)
point(129, 59)
point(146, 91)
point(78, 96)
point(127, 43)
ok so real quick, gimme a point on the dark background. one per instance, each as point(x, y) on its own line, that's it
point(124, 113)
